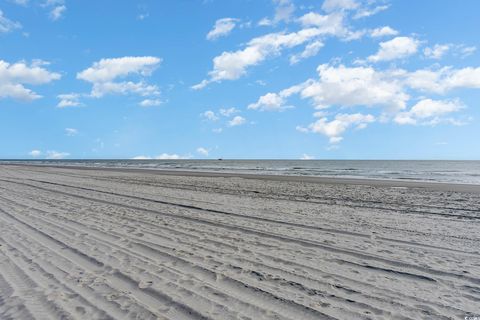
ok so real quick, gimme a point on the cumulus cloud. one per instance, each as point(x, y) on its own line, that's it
point(104, 73)
point(444, 79)
point(107, 70)
point(163, 156)
point(437, 51)
point(428, 111)
point(332, 5)
point(310, 50)
point(467, 51)
point(397, 48)
point(7, 25)
point(306, 157)
point(330, 24)
point(232, 65)
point(126, 87)
point(57, 12)
point(344, 86)
point(268, 102)
point(56, 155)
point(369, 11)
point(71, 132)
point(275, 101)
point(335, 128)
point(228, 112)
point(14, 77)
point(236, 121)
point(20, 2)
point(390, 90)
point(68, 100)
point(222, 28)
point(168, 156)
point(284, 10)
point(203, 151)
point(35, 153)
point(150, 102)
point(57, 8)
point(210, 115)
point(382, 32)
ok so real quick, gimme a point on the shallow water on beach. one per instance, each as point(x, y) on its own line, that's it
point(421, 170)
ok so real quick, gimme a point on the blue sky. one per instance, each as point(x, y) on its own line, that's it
point(339, 79)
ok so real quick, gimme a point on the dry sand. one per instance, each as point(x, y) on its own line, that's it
point(130, 244)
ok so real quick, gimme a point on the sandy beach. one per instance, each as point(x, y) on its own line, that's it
point(79, 243)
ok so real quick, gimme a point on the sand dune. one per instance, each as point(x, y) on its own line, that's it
point(113, 244)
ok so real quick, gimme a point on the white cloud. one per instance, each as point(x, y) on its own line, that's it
point(222, 28)
point(284, 10)
point(330, 24)
point(13, 77)
point(232, 65)
point(163, 156)
point(57, 12)
point(126, 87)
point(331, 5)
point(202, 84)
point(265, 22)
point(367, 12)
point(444, 79)
point(390, 90)
point(428, 111)
point(20, 2)
point(275, 101)
point(397, 48)
point(150, 102)
point(236, 121)
point(268, 102)
point(357, 86)
point(69, 100)
point(167, 156)
point(7, 25)
point(335, 128)
point(228, 112)
point(71, 132)
point(306, 157)
point(203, 151)
point(107, 70)
point(383, 31)
point(57, 155)
point(104, 73)
point(466, 51)
point(310, 50)
point(57, 8)
point(437, 51)
point(345, 87)
point(49, 154)
point(35, 153)
point(143, 16)
point(210, 115)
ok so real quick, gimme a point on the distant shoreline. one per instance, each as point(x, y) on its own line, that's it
point(438, 186)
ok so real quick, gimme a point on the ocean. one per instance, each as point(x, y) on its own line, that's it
point(420, 170)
